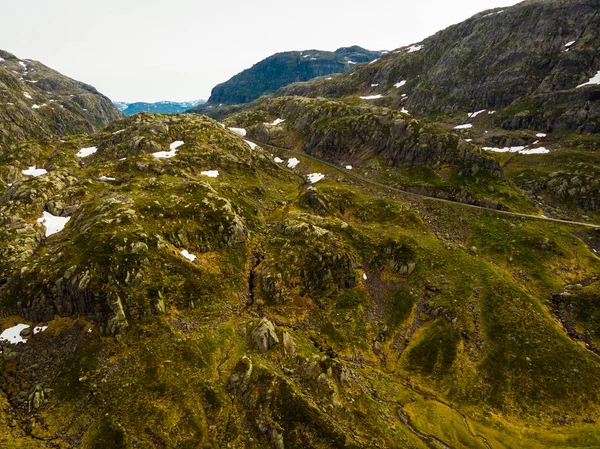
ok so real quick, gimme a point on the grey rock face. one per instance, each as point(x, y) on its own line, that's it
point(282, 69)
point(516, 57)
point(264, 335)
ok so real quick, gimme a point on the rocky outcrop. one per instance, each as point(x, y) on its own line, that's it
point(578, 188)
point(264, 335)
point(344, 134)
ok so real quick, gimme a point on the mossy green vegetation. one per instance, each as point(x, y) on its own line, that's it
point(313, 315)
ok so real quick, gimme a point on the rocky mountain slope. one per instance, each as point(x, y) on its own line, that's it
point(201, 291)
point(160, 107)
point(257, 282)
point(385, 145)
point(38, 102)
point(520, 82)
point(281, 69)
point(535, 57)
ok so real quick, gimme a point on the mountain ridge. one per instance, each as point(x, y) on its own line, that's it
point(39, 102)
point(282, 68)
point(157, 107)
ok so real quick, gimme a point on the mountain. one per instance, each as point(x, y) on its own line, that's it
point(282, 69)
point(38, 102)
point(323, 267)
point(161, 107)
point(202, 291)
point(531, 62)
point(121, 105)
point(520, 82)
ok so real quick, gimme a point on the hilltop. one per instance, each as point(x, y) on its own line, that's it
point(281, 69)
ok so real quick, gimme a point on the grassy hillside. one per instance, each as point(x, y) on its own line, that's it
point(327, 314)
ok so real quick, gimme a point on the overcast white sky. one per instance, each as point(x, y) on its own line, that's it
point(151, 50)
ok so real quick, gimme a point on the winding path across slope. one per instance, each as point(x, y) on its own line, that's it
point(416, 195)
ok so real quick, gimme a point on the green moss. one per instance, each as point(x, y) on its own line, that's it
point(400, 306)
point(436, 351)
point(108, 436)
point(349, 299)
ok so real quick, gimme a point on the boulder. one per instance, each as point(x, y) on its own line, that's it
point(264, 335)
point(289, 348)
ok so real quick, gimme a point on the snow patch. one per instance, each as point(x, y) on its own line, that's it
point(519, 149)
point(210, 173)
point(238, 131)
point(106, 178)
point(32, 171)
point(276, 122)
point(365, 276)
point(374, 60)
point(118, 132)
point(400, 84)
point(505, 149)
point(252, 145)
point(187, 255)
point(176, 145)
point(540, 135)
point(374, 85)
point(278, 160)
point(465, 126)
point(593, 80)
point(568, 44)
point(414, 48)
point(13, 334)
point(315, 177)
point(85, 152)
point(475, 114)
point(539, 150)
point(492, 13)
point(293, 162)
point(169, 154)
point(52, 223)
point(404, 110)
point(348, 167)
point(26, 94)
point(372, 97)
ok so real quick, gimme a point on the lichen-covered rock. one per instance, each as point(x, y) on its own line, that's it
point(264, 335)
point(241, 375)
point(289, 347)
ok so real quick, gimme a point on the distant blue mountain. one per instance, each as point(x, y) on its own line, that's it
point(161, 107)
